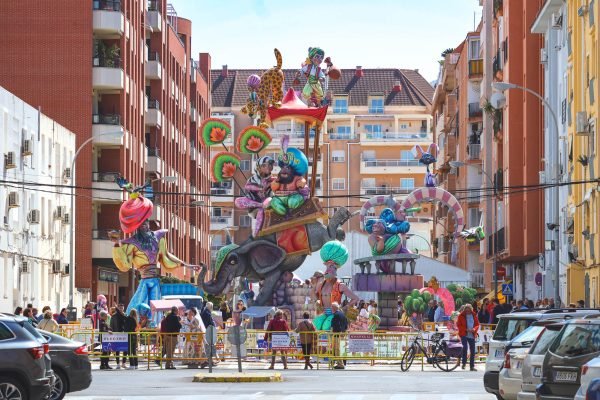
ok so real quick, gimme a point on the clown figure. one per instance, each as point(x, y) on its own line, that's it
point(313, 90)
point(330, 290)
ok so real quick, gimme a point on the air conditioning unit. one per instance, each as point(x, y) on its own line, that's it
point(27, 147)
point(60, 212)
point(582, 124)
point(33, 217)
point(13, 200)
point(24, 267)
point(543, 56)
point(557, 20)
point(67, 173)
point(66, 270)
point(66, 220)
point(56, 267)
point(10, 160)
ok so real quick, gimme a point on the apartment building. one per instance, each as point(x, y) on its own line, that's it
point(583, 207)
point(458, 127)
point(376, 117)
point(117, 66)
point(34, 233)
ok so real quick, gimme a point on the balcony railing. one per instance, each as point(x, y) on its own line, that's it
point(107, 62)
point(342, 136)
point(221, 220)
point(153, 5)
point(394, 136)
point(473, 151)
point(380, 190)
point(220, 191)
point(477, 280)
point(475, 68)
point(105, 176)
point(153, 104)
point(475, 110)
point(106, 119)
point(500, 243)
point(473, 195)
point(154, 56)
point(107, 5)
point(391, 163)
point(153, 151)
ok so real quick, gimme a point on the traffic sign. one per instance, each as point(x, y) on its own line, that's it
point(507, 289)
point(538, 279)
point(238, 338)
point(500, 272)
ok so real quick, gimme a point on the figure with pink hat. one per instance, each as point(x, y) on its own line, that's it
point(145, 249)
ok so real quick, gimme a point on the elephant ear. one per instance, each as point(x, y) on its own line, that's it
point(264, 256)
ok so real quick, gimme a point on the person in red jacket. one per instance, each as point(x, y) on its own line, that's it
point(468, 325)
point(277, 324)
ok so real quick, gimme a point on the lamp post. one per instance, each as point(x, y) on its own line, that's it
point(409, 235)
point(115, 135)
point(458, 164)
point(502, 87)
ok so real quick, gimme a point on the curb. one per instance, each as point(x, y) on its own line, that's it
point(238, 378)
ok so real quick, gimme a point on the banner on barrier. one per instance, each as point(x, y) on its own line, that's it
point(361, 343)
point(280, 341)
point(115, 342)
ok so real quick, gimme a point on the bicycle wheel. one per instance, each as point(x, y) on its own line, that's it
point(407, 358)
point(444, 362)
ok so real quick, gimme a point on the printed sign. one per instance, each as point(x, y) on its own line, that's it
point(361, 343)
point(114, 342)
point(507, 289)
point(280, 341)
point(323, 340)
point(86, 324)
point(483, 336)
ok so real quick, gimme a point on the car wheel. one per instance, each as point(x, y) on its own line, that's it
point(59, 390)
point(11, 389)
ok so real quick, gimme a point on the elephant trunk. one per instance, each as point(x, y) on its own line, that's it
point(217, 285)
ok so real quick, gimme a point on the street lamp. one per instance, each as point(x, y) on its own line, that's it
point(114, 135)
point(409, 235)
point(502, 87)
point(458, 164)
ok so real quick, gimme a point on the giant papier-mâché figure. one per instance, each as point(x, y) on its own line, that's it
point(330, 289)
point(427, 158)
point(145, 250)
point(258, 189)
point(384, 239)
point(313, 91)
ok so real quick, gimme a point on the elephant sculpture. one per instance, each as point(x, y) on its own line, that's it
point(261, 259)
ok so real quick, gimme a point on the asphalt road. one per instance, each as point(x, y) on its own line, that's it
point(357, 382)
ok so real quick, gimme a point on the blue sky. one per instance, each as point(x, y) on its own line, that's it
point(377, 33)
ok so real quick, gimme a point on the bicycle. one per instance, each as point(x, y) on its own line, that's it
point(438, 356)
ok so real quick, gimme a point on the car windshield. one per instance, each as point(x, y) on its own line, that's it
point(544, 341)
point(34, 332)
point(528, 336)
point(577, 340)
point(508, 328)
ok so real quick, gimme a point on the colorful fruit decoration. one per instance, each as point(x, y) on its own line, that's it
point(223, 166)
point(214, 131)
point(253, 140)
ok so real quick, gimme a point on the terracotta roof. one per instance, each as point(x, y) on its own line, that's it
point(231, 91)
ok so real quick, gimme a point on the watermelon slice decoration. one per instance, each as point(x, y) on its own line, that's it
point(253, 140)
point(214, 131)
point(223, 166)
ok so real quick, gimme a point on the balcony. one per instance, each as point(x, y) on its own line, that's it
point(108, 18)
point(105, 188)
point(497, 241)
point(193, 114)
point(107, 74)
point(475, 68)
point(194, 68)
point(296, 137)
point(342, 136)
point(101, 244)
point(473, 195)
point(153, 67)
point(193, 153)
point(473, 152)
point(384, 190)
point(154, 17)
point(221, 194)
point(154, 164)
point(157, 211)
point(383, 166)
point(103, 124)
point(387, 138)
point(220, 222)
point(153, 116)
point(477, 280)
point(475, 110)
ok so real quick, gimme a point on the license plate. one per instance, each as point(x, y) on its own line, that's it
point(563, 376)
point(499, 353)
point(537, 372)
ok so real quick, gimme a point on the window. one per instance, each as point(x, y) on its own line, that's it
point(406, 155)
point(338, 156)
point(407, 183)
point(340, 105)
point(368, 182)
point(544, 341)
point(374, 131)
point(591, 13)
point(245, 221)
point(368, 155)
point(342, 133)
point(376, 105)
point(508, 328)
point(245, 165)
point(474, 50)
point(577, 340)
point(403, 126)
point(592, 96)
point(5, 333)
point(338, 184)
point(216, 212)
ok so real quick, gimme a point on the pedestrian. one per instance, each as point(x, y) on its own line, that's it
point(104, 327)
point(497, 311)
point(484, 315)
point(551, 304)
point(468, 325)
point(87, 312)
point(580, 304)
point(225, 312)
point(47, 323)
point(530, 304)
point(521, 306)
point(62, 317)
point(400, 309)
point(172, 326)
point(34, 314)
point(545, 302)
point(131, 327)
point(364, 311)
point(144, 322)
point(43, 314)
point(277, 324)
point(433, 305)
point(191, 350)
point(117, 324)
point(307, 338)
point(339, 325)
point(18, 310)
point(27, 313)
point(438, 316)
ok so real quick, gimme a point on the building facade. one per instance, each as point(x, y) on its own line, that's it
point(34, 236)
point(582, 112)
point(134, 58)
point(376, 117)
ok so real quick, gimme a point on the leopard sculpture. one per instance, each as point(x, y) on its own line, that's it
point(269, 92)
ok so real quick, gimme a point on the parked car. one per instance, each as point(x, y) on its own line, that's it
point(531, 372)
point(509, 326)
point(70, 364)
point(25, 371)
point(589, 372)
point(577, 343)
